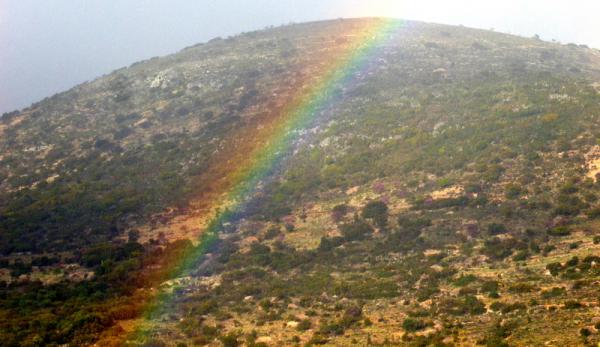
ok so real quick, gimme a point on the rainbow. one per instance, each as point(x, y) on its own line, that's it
point(300, 113)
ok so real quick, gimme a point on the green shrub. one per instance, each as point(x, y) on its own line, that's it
point(547, 249)
point(497, 228)
point(553, 293)
point(378, 212)
point(513, 191)
point(521, 256)
point(498, 333)
point(327, 244)
point(351, 316)
point(465, 280)
point(468, 304)
point(573, 305)
point(331, 328)
point(572, 262)
point(507, 308)
point(490, 286)
point(412, 324)
point(339, 212)
point(304, 325)
point(495, 248)
point(559, 231)
point(585, 332)
point(272, 233)
point(554, 268)
point(356, 231)
point(522, 287)
point(230, 340)
point(593, 213)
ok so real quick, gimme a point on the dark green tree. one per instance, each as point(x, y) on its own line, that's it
point(377, 211)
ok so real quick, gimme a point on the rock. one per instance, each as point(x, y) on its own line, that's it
point(352, 190)
point(354, 312)
point(264, 339)
point(292, 324)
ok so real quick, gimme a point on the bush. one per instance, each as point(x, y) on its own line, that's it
point(572, 262)
point(513, 191)
point(317, 339)
point(497, 229)
point(490, 286)
point(569, 188)
point(332, 328)
point(465, 280)
point(412, 325)
point(272, 233)
point(496, 248)
point(19, 268)
point(378, 212)
point(585, 332)
point(467, 305)
point(351, 316)
point(499, 332)
point(569, 205)
point(229, 340)
point(327, 244)
point(591, 258)
point(573, 305)
point(593, 213)
point(356, 231)
point(339, 212)
point(554, 268)
point(521, 255)
point(553, 293)
point(559, 231)
point(410, 228)
point(507, 308)
point(467, 291)
point(304, 325)
point(426, 204)
point(547, 249)
point(522, 287)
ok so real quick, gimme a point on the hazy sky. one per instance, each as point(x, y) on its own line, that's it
point(47, 46)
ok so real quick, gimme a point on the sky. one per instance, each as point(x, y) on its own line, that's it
point(48, 46)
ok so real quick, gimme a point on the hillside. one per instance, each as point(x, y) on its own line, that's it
point(345, 182)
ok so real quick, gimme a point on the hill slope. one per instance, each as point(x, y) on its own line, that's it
point(445, 192)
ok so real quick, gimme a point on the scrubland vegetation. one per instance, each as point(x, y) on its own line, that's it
point(447, 198)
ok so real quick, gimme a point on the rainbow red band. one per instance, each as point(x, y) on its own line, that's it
point(300, 114)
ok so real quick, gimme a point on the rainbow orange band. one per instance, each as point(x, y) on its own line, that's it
point(299, 114)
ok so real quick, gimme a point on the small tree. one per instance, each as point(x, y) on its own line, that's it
point(513, 191)
point(230, 340)
point(378, 212)
point(133, 236)
point(412, 325)
point(356, 231)
point(497, 228)
point(339, 212)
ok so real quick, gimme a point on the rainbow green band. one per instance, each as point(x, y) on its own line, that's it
point(299, 116)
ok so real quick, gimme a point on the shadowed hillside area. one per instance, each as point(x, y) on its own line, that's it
point(346, 182)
